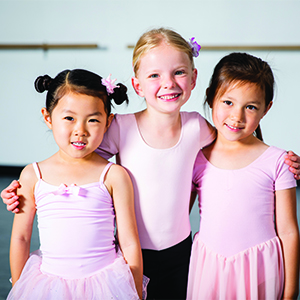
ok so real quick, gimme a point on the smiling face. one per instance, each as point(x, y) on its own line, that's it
point(78, 123)
point(165, 78)
point(237, 113)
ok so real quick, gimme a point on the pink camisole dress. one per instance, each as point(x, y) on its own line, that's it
point(77, 258)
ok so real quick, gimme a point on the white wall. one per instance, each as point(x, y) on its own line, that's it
point(114, 24)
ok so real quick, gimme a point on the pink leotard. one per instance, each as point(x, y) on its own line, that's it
point(237, 254)
point(161, 178)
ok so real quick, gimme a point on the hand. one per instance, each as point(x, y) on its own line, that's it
point(10, 197)
point(293, 160)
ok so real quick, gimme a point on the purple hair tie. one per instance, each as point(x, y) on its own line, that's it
point(195, 47)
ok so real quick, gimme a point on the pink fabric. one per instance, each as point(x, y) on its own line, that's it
point(161, 177)
point(77, 257)
point(236, 254)
point(256, 273)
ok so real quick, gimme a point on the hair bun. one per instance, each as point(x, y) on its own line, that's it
point(120, 94)
point(42, 83)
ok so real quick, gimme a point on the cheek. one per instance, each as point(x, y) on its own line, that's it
point(218, 115)
point(60, 131)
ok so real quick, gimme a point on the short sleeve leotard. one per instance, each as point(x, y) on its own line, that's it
point(161, 178)
point(237, 254)
point(77, 257)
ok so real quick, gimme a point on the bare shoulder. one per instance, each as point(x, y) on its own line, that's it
point(117, 172)
point(27, 180)
point(28, 175)
point(117, 176)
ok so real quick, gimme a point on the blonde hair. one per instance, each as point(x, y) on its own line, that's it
point(154, 38)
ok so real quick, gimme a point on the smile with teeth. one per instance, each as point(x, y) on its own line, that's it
point(169, 97)
point(233, 127)
point(78, 145)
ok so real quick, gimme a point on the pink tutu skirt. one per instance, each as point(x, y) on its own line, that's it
point(256, 273)
point(112, 282)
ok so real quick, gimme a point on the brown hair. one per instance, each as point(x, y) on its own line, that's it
point(241, 68)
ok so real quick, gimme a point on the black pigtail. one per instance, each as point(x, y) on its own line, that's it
point(120, 94)
point(42, 83)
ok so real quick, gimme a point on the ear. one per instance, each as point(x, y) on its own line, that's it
point(109, 120)
point(194, 78)
point(268, 108)
point(137, 87)
point(46, 117)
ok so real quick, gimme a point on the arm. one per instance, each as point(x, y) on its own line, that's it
point(293, 160)
point(288, 233)
point(119, 183)
point(22, 225)
point(10, 198)
point(110, 143)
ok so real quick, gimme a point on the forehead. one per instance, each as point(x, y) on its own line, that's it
point(164, 55)
point(238, 85)
point(80, 103)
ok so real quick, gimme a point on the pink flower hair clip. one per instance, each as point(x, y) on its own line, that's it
point(109, 84)
point(195, 47)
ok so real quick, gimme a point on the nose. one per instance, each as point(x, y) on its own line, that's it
point(80, 129)
point(237, 115)
point(168, 82)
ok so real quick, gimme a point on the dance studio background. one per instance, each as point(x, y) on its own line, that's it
point(35, 37)
point(114, 26)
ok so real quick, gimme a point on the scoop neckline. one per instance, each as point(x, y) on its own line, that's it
point(159, 149)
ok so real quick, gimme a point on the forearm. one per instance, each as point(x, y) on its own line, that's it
point(133, 257)
point(290, 247)
point(19, 253)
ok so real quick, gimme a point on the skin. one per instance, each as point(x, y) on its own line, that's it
point(236, 114)
point(78, 123)
point(165, 79)
point(158, 129)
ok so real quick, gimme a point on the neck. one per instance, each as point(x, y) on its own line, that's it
point(159, 130)
point(234, 154)
point(159, 119)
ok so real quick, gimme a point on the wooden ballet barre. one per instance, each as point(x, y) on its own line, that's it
point(249, 48)
point(48, 46)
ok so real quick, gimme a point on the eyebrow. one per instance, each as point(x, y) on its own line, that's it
point(97, 113)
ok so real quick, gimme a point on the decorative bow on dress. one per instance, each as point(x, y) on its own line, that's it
point(73, 189)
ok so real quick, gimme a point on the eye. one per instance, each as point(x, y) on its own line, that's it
point(180, 72)
point(69, 118)
point(252, 107)
point(227, 102)
point(153, 76)
point(94, 121)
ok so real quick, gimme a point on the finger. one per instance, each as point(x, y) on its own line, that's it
point(13, 207)
point(16, 210)
point(290, 152)
point(295, 167)
point(10, 199)
point(15, 184)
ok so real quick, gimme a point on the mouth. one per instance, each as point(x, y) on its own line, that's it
point(78, 145)
point(169, 98)
point(233, 128)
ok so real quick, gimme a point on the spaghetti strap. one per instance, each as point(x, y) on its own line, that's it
point(104, 172)
point(37, 170)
